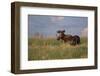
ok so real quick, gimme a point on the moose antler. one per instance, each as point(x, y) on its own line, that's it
point(58, 31)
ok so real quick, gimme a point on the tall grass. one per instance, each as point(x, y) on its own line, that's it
point(50, 48)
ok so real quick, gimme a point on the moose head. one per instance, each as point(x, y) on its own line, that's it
point(60, 34)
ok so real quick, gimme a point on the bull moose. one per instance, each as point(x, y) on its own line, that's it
point(73, 40)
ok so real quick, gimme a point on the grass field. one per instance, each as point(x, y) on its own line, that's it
point(50, 48)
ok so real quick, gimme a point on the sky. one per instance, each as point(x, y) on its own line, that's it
point(48, 25)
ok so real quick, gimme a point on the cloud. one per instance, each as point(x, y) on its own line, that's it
point(84, 32)
point(56, 18)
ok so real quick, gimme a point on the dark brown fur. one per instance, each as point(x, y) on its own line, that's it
point(73, 40)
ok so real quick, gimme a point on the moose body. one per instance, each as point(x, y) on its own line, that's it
point(73, 40)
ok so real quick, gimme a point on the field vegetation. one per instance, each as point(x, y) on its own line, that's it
point(50, 48)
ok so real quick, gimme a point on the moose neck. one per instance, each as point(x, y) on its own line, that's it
point(62, 36)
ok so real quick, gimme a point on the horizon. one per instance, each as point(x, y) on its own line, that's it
point(47, 26)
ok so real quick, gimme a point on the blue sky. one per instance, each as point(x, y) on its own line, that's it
point(48, 25)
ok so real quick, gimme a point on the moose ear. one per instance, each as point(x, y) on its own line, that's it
point(58, 31)
point(63, 31)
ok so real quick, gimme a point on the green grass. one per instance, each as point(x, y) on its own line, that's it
point(50, 48)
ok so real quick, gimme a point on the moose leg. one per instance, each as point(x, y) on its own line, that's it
point(77, 39)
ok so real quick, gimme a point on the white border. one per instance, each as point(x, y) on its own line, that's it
point(25, 64)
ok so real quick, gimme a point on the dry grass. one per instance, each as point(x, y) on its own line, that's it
point(50, 48)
